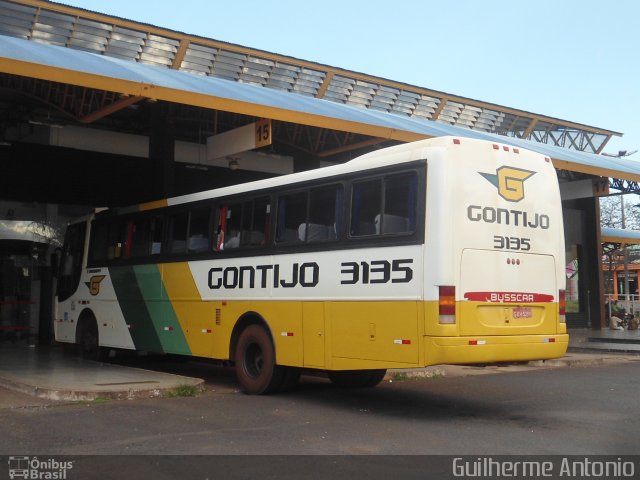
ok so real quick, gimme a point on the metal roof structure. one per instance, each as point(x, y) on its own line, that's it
point(111, 37)
point(130, 82)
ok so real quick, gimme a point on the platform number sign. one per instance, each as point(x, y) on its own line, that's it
point(263, 132)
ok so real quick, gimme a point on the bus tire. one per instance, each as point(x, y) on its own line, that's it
point(255, 362)
point(356, 378)
point(88, 340)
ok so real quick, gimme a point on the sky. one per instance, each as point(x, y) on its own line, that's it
point(577, 60)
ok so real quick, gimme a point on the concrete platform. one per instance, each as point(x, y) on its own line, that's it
point(605, 340)
point(47, 373)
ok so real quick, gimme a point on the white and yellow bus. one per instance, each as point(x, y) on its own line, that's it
point(442, 251)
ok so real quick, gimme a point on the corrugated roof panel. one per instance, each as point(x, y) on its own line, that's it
point(118, 43)
point(226, 71)
point(194, 68)
point(87, 46)
point(444, 118)
point(389, 90)
point(121, 32)
point(355, 100)
point(281, 78)
point(237, 57)
point(45, 38)
point(22, 21)
point(308, 83)
point(409, 96)
point(380, 105)
point(402, 109)
point(171, 43)
point(15, 31)
point(286, 67)
point(198, 60)
point(89, 37)
point(155, 60)
point(96, 28)
point(278, 84)
point(262, 61)
point(17, 11)
point(383, 100)
point(429, 101)
point(51, 30)
point(165, 82)
point(335, 97)
point(303, 89)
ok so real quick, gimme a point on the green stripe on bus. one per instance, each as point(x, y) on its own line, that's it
point(134, 308)
point(159, 306)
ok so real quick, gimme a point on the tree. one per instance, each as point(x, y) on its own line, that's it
point(611, 217)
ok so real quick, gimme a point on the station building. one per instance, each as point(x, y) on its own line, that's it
point(100, 111)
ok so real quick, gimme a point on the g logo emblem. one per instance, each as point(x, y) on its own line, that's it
point(509, 181)
point(94, 284)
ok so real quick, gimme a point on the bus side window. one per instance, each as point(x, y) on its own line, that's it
point(141, 237)
point(199, 220)
point(325, 209)
point(292, 212)
point(115, 240)
point(255, 222)
point(71, 260)
point(230, 219)
point(99, 246)
point(157, 230)
point(366, 204)
point(400, 195)
point(178, 224)
point(384, 206)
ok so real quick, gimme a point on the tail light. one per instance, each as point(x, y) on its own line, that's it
point(562, 304)
point(447, 305)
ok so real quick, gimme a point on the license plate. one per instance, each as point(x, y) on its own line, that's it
point(522, 312)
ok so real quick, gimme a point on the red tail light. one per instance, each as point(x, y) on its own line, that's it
point(562, 306)
point(447, 304)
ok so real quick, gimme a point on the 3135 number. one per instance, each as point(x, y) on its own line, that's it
point(511, 243)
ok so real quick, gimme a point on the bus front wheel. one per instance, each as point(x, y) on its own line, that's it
point(356, 378)
point(255, 360)
point(88, 339)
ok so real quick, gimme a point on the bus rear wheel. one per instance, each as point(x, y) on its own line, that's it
point(255, 360)
point(356, 378)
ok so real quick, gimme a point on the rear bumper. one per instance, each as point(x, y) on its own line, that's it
point(489, 349)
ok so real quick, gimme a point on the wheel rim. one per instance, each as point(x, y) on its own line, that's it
point(253, 360)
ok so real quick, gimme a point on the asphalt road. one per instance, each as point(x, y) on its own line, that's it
point(569, 411)
point(566, 411)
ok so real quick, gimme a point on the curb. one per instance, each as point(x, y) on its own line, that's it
point(74, 395)
point(572, 360)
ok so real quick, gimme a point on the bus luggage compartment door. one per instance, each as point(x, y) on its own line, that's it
point(507, 293)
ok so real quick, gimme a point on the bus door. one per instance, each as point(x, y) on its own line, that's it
point(313, 328)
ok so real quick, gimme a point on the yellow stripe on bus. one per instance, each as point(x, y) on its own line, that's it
point(197, 318)
point(153, 205)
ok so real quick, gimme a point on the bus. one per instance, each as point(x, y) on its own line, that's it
point(441, 251)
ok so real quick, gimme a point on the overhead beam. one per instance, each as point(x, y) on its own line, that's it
point(182, 51)
point(108, 110)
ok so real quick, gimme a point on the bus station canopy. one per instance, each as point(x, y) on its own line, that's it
point(133, 81)
point(620, 236)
